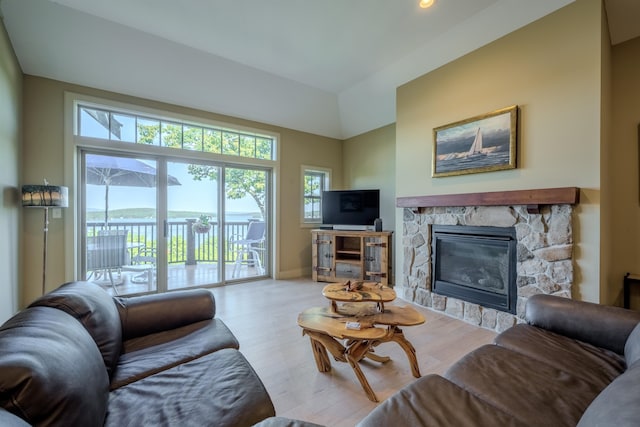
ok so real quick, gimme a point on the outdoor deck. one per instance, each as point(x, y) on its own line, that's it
point(192, 256)
point(185, 244)
point(179, 277)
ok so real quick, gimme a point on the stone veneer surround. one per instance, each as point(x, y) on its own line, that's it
point(544, 257)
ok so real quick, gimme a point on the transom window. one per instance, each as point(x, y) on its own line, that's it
point(138, 129)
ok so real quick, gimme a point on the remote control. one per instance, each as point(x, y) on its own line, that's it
point(353, 325)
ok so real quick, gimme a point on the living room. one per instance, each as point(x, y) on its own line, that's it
point(578, 118)
point(579, 121)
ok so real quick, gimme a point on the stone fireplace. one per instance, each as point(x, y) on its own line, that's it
point(541, 221)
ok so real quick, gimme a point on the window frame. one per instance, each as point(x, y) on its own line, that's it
point(305, 171)
point(240, 134)
point(74, 141)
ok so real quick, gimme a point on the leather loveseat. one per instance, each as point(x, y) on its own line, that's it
point(572, 363)
point(79, 357)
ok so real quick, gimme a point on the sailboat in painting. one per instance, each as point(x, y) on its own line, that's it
point(476, 147)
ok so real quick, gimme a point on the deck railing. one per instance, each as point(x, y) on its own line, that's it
point(185, 244)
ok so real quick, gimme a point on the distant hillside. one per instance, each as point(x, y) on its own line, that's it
point(142, 213)
point(149, 213)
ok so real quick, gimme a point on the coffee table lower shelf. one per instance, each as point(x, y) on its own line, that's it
point(327, 331)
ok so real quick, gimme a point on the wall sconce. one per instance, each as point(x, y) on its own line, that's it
point(45, 196)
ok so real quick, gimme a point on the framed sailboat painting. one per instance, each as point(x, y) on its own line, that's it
point(480, 144)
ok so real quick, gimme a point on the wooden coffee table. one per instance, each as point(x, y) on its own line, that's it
point(367, 291)
point(327, 330)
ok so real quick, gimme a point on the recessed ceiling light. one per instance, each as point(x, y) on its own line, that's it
point(426, 3)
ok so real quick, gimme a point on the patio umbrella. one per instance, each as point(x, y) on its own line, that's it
point(120, 171)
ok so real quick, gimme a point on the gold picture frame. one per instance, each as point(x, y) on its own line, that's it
point(483, 143)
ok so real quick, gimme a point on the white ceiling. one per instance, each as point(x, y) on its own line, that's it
point(327, 67)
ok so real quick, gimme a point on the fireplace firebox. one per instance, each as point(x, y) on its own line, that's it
point(475, 264)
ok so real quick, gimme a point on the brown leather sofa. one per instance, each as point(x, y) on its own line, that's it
point(78, 357)
point(572, 363)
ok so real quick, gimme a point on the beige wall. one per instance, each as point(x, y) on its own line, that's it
point(557, 71)
point(552, 70)
point(609, 290)
point(369, 162)
point(10, 218)
point(624, 161)
point(44, 146)
point(310, 150)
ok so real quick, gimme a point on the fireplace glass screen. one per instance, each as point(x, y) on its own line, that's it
point(475, 264)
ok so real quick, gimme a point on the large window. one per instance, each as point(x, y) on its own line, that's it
point(137, 129)
point(167, 201)
point(315, 181)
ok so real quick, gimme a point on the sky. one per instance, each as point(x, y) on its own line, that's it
point(500, 122)
point(199, 196)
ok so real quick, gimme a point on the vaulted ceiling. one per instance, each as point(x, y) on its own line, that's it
point(327, 67)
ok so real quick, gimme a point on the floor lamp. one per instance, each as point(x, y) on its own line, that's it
point(45, 196)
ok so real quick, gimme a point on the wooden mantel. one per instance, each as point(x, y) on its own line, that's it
point(532, 199)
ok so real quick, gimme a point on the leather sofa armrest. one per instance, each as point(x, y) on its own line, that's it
point(603, 326)
point(147, 314)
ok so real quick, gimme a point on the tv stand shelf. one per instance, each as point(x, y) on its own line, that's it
point(341, 255)
point(348, 261)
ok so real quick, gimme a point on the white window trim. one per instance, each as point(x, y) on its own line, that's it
point(304, 222)
point(71, 165)
point(126, 108)
point(175, 119)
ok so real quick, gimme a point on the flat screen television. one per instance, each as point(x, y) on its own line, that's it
point(350, 207)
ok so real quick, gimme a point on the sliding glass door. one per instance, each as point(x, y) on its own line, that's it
point(119, 222)
point(193, 229)
point(246, 222)
point(156, 224)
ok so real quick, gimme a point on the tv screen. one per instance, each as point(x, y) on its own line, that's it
point(350, 207)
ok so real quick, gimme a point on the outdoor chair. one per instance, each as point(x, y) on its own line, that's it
point(106, 252)
point(144, 263)
point(247, 248)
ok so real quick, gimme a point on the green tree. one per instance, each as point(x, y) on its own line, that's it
point(239, 182)
point(148, 132)
point(313, 186)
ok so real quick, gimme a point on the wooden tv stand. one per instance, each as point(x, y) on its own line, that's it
point(340, 255)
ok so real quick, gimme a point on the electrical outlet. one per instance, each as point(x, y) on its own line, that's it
point(57, 213)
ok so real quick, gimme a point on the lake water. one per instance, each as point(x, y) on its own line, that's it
point(491, 159)
point(230, 217)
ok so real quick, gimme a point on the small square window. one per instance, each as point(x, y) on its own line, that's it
point(314, 182)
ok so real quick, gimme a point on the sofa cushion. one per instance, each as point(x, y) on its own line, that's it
point(148, 314)
point(618, 405)
point(218, 389)
point(97, 312)
point(435, 401)
point(533, 392)
point(157, 352)
point(632, 346)
point(51, 372)
point(592, 364)
point(600, 325)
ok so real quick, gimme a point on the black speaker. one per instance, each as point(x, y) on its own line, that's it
point(377, 224)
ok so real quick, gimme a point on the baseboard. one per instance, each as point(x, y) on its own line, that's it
point(293, 274)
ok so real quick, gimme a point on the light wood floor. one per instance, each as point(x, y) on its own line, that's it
point(263, 316)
